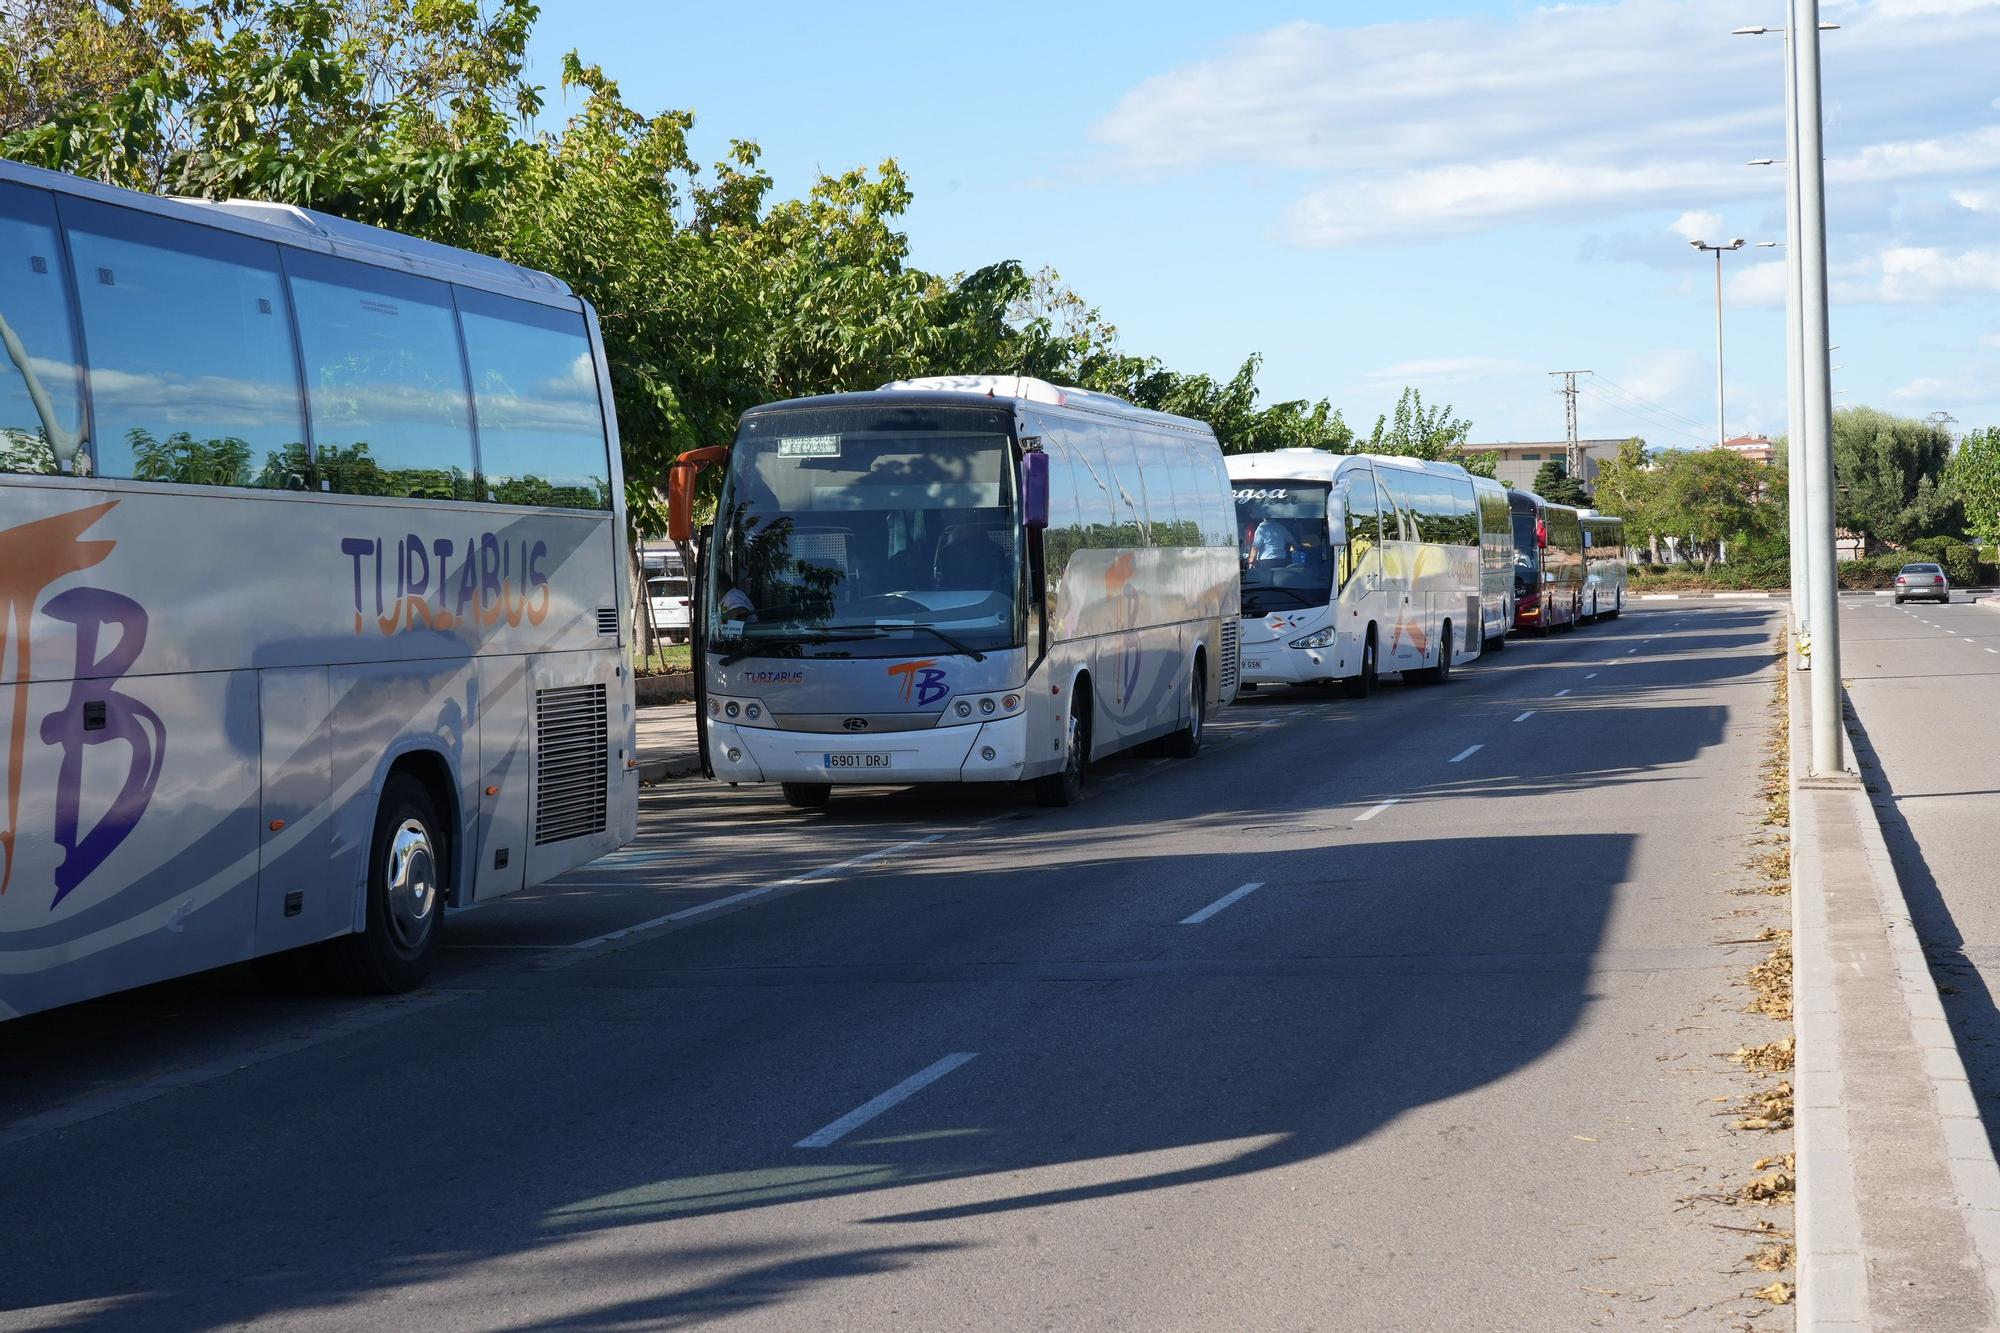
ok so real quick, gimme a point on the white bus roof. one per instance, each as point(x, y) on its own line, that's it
point(1028, 389)
point(314, 230)
point(1322, 464)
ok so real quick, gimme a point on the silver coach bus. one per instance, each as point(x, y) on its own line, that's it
point(977, 579)
point(312, 590)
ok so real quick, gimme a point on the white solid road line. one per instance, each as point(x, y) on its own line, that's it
point(1467, 753)
point(1377, 809)
point(1525, 716)
point(1232, 896)
point(805, 877)
point(868, 1110)
point(1561, 693)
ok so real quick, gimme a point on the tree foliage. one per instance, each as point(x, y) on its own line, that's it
point(1972, 480)
point(711, 294)
point(1889, 475)
point(1554, 483)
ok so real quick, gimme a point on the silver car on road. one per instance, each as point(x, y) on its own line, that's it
point(1922, 580)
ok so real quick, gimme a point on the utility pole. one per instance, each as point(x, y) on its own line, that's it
point(1573, 455)
point(1809, 164)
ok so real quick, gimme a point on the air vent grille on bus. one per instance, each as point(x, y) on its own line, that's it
point(607, 620)
point(1227, 676)
point(572, 733)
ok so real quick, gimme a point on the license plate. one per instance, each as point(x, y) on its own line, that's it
point(1253, 664)
point(857, 760)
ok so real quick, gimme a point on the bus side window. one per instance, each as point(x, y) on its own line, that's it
point(34, 302)
point(534, 387)
point(189, 351)
point(1135, 515)
point(385, 382)
point(1093, 484)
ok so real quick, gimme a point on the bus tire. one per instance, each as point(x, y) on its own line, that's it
point(1362, 684)
point(807, 795)
point(1497, 643)
point(1439, 674)
point(409, 862)
point(1064, 787)
point(1186, 743)
point(1617, 605)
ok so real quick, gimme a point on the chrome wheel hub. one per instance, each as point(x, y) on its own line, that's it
point(412, 878)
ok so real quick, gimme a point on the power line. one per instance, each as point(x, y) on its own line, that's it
point(1701, 426)
point(1652, 421)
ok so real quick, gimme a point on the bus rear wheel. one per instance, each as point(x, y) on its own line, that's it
point(1065, 786)
point(1186, 743)
point(407, 881)
point(1439, 674)
point(1362, 684)
point(807, 795)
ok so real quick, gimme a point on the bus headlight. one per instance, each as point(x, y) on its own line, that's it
point(1318, 640)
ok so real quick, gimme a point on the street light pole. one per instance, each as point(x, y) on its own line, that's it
point(1721, 434)
point(1809, 167)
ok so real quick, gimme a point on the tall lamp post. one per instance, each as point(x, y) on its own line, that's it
point(1721, 433)
point(1795, 458)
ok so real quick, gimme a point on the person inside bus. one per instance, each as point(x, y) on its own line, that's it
point(1271, 543)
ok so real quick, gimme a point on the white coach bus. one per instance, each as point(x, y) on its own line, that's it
point(312, 598)
point(1604, 561)
point(977, 579)
point(1356, 564)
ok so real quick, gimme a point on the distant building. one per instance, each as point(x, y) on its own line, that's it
point(1756, 448)
point(1521, 460)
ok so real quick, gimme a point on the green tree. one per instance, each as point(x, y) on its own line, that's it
point(1888, 474)
point(1707, 497)
point(1972, 479)
point(1554, 484)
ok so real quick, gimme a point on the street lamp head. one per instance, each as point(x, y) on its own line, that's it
point(1738, 243)
point(1767, 245)
point(1763, 162)
point(1752, 32)
point(1697, 245)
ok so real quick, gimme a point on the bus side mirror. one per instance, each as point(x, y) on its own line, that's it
point(1035, 490)
point(680, 490)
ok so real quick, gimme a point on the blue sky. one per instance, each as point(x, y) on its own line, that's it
point(1461, 196)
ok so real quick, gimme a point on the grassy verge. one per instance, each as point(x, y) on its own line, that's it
point(668, 657)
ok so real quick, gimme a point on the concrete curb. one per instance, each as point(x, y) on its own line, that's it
point(672, 766)
point(1836, 947)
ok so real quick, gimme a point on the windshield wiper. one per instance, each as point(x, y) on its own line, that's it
point(752, 649)
point(1292, 593)
point(957, 645)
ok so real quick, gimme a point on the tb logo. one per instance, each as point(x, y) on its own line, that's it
point(32, 556)
point(926, 678)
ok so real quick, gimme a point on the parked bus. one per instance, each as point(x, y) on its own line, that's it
point(312, 599)
point(1548, 564)
point(1355, 564)
point(1604, 564)
point(976, 579)
point(669, 596)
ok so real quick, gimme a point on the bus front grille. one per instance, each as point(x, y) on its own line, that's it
point(572, 734)
point(1226, 677)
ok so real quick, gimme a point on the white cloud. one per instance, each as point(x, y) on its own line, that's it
point(1439, 369)
point(1697, 225)
point(1921, 273)
point(1977, 201)
point(1924, 386)
point(1990, 340)
point(1410, 130)
point(1757, 284)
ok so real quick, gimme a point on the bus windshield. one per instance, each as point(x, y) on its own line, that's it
point(861, 528)
point(1281, 535)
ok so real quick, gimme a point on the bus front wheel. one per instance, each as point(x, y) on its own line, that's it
point(407, 868)
point(1362, 684)
point(1065, 786)
point(807, 795)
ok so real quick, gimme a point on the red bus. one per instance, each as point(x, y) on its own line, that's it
point(1548, 564)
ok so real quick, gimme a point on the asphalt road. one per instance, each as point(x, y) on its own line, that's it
point(1404, 1013)
point(1923, 689)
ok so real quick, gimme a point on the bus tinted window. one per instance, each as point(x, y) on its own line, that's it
point(40, 426)
point(190, 351)
point(384, 380)
point(1128, 489)
point(1093, 483)
point(534, 387)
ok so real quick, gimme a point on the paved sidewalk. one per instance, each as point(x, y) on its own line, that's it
point(1898, 1192)
point(668, 747)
